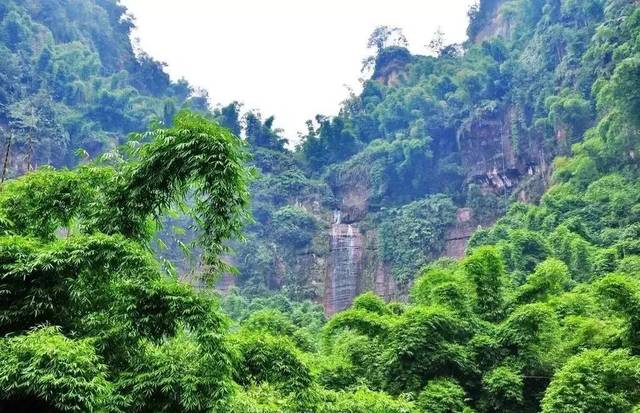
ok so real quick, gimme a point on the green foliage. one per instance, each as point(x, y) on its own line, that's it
point(294, 226)
point(71, 79)
point(414, 233)
point(269, 321)
point(270, 359)
point(551, 277)
point(623, 293)
point(484, 267)
point(53, 372)
point(397, 171)
point(531, 335)
point(594, 381)
point(179, 375)
point(360, 320)
point(442, 396)
point(332, 141)
point(425, 343)
point(364, 401)
point(542, 314)
point(504, 389)
point(129, 335)
point(46, 201)
point(370, 302)
point(195, 155)
point(447, 287)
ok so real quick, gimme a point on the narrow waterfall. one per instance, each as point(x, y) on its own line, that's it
point(344, 265)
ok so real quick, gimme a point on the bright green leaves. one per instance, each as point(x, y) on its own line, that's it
point(363, 401)
point(193, 158)
point(448, 287)
point(503, 387)
point(442, 396)
point(57, 282)
point(551, 277)
point(426, 342)
point(46, 202)
point(194, 155)
point(265, 358)
point(53, 373)
point(595, 381)
point(160, 344)
point(623, 293)
point(485, 268)
point(179, 374)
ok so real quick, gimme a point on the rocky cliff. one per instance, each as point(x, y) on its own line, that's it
point(471, 128)
point(490, 161)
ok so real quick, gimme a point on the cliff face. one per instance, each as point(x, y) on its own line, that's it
point(459, 233)
point(353, 266)
point(344, 265)
point(344, 259)
point(489, 21)
point(477, 125)
point(489, 156)
point(489, 159)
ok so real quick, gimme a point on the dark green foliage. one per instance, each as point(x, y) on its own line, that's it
point(331, 142)
point(397, 171)
point(411, 235)
point(70, 79)
point(259, 134)
point(129, 335)
point(265, 358)
point(294, 226)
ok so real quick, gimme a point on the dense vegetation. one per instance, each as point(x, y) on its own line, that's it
point(540, 316)
point(526, 82)
point(70, 80)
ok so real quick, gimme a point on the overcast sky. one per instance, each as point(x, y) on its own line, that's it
point(289, 58)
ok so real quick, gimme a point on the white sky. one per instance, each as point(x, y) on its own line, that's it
point(289, 58)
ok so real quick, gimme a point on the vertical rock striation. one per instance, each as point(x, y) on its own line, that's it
point(344, 265)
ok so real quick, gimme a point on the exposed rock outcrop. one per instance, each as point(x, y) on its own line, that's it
point(488, 154)
point(390, 64)
point(344, 266)
point(458, 235)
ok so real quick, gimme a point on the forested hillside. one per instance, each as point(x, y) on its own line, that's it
point(70, 80)
point(463, 237)
point(434, 147)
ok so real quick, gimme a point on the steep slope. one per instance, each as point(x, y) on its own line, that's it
point(541, 315)
point(71, 85)
point(478, 125)
point(433, 147)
